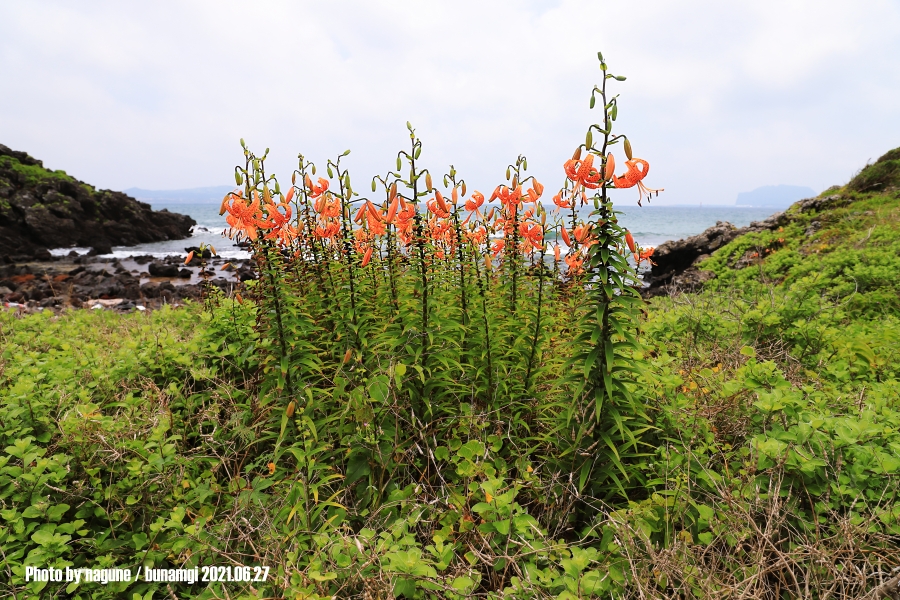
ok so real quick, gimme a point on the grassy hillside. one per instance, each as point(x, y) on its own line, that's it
point(772, 469)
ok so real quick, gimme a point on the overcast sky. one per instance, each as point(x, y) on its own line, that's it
point(721, 97)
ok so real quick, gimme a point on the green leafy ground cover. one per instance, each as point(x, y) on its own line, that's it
point(771, 470)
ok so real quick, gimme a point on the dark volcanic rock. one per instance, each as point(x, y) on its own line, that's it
point(675, 257)
point(675, 260)
point(42, 209)
point(158, 269)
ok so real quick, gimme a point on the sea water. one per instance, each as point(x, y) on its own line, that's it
point(650, 225)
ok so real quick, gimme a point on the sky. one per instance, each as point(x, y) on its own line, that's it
point(720, 97)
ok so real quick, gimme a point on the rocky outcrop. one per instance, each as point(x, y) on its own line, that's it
point(42, 209)
point(139, 282)
point(675, 267)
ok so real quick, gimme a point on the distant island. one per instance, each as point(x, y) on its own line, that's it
point(776, 196)
point(189, 196)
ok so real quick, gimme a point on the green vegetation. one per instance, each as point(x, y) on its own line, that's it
point(417, 401)
point(36, 174)
point(773, 465)
point(33, 174)
point(884, 173)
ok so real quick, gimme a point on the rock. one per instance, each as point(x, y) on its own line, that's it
point(185, 273)
point(675, 257)
point(207, 253)
point(246, 274)
point(43, 254)
point(49, 209)
point(674, 260)
point(52, 301)
point(150, 290)
point(158, 269)
point(100, 248)
point(817, 204)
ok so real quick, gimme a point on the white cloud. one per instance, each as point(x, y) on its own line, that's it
point(720, 97)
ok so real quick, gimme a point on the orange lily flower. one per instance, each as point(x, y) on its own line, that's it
point(229, 196)
point(561, 202)
point(582, 172)
point(475, 201)
point(510, 197)
point(316, 190)
point(435, 207)
point(633, 177)
point(280, 224)
point(536, 190)
point(574, 263)
point(243, 217)
point(477, 236)
point(644, 254)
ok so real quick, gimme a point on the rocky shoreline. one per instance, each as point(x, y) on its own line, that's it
point(676, 267)
point(122, 284)
point(42, 209)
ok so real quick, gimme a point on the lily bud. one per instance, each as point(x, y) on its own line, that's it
point(290, 409)
point(463, 188)
point(392, 210)
point(190, 257)
point(440, 201)
point(290, 194)
point(428, 185)
point(374, 212)
point(393, 190)
point(347, 355)
point(610, 166)
point(630, 241)
point(628, 154)
point(577, 155)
